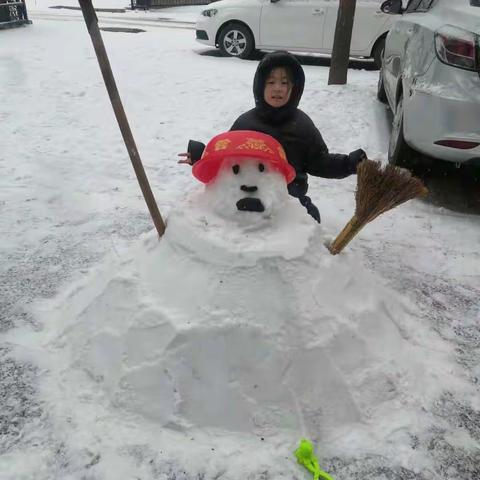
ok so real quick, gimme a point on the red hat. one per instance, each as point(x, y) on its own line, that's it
point(242, 143)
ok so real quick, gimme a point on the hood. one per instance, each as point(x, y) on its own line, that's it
point(269, 62)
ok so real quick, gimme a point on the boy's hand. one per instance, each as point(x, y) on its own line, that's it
point(187, 158)
point(356, 157)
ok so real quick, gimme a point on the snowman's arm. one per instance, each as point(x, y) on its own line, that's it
point(195, 149)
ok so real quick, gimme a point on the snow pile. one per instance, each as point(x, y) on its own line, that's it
point(241, 325)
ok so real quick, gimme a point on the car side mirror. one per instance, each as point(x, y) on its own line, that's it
point(392, 7)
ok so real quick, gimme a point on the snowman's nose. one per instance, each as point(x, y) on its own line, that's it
point(246, 188)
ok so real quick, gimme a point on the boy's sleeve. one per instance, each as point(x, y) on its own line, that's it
point(195, 149)
point(321, 163)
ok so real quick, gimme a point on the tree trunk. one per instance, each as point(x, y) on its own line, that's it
point(341, 43)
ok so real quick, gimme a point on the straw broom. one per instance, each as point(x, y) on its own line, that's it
point(379, 189)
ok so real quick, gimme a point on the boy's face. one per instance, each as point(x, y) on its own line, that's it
point(278, 88)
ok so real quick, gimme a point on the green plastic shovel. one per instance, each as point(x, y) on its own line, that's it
point(306, 457)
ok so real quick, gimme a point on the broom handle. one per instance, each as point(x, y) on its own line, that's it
point(92, 25)
point(344, 237)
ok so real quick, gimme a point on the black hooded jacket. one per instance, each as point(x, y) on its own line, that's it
point(303, 144)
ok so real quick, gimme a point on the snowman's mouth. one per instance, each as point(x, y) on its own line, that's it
point(250, 204)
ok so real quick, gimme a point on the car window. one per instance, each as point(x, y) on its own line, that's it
point(419, 6)
point(425, 5)
point(475, 3)
point(412, 6)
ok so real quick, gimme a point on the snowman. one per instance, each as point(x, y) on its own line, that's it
point(239, 326)
point(244, 209)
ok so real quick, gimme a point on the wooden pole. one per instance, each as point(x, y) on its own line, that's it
point(341, 44)
point(92, 25)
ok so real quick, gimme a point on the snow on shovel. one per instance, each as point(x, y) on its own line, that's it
point(379, 189)
point(92, 26)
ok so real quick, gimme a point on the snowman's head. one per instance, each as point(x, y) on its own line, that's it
point(246, 184)
point(245, 171)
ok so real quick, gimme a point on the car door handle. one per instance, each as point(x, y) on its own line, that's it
point(318, 11)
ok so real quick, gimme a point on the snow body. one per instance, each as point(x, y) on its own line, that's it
point(242, 322)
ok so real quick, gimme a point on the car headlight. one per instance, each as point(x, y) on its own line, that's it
point(210, 12)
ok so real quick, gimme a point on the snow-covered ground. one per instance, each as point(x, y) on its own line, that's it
point(68, 10)
point(71, 213)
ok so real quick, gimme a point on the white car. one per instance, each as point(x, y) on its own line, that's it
point(238, 27)
point(431, 79)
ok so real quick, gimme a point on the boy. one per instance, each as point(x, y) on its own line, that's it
point(277, 87)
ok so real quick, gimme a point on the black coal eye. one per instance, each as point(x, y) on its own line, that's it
point(261, 167)
point(236, 169)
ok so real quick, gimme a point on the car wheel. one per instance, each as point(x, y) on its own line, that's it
point(378, 53)
point(399, 153)
point(236, 40)
point(381, 94)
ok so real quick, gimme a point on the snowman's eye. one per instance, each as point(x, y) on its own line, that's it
point(236, 169)
point(261, 167)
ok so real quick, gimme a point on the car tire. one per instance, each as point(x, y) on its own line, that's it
point(399, 153)
point(381, 94)
point(236, 40)
point(378, 53)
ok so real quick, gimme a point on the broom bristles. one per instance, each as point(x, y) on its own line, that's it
point(380, 189)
